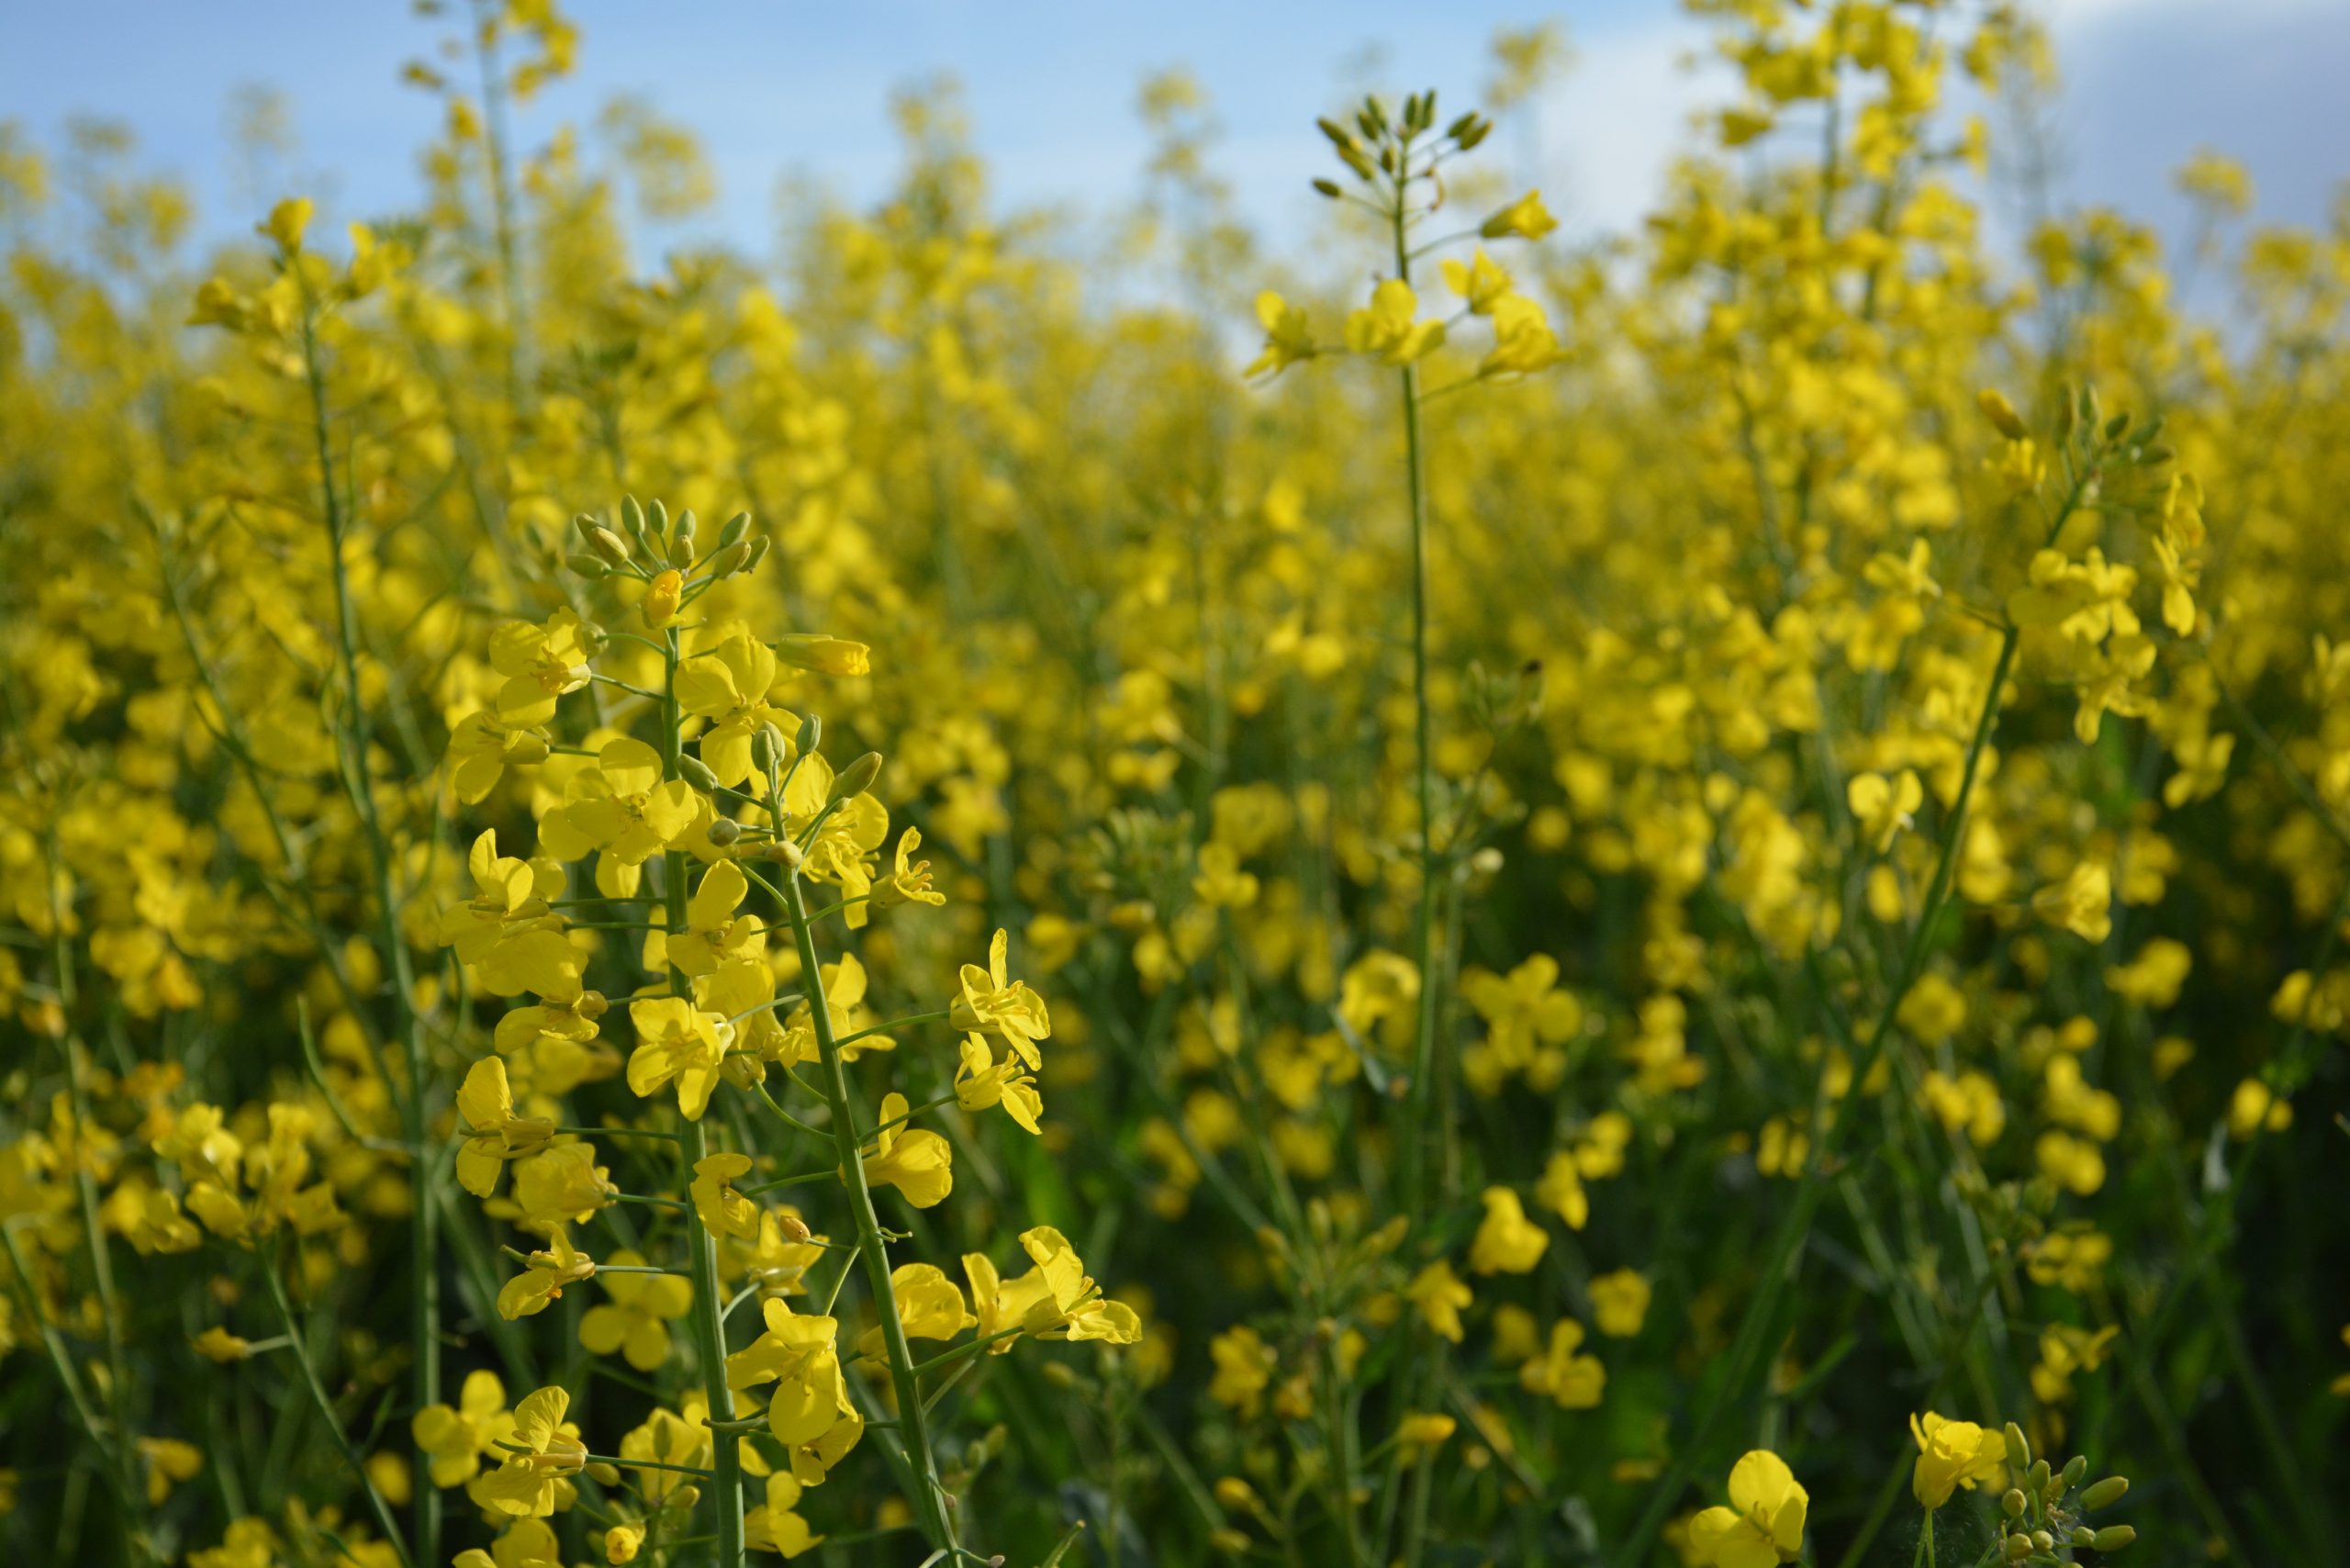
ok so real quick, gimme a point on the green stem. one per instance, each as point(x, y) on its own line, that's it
point(931, 1506)
point(702, 1248)
point(357, 1460)
point(425, 1243)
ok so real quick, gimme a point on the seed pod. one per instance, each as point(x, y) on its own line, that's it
point(2105, 1493)
point(2113, 1537)
point(697, 772)
point(592, 568)
point(857, 777)
point(724, 831)
point(736, 526)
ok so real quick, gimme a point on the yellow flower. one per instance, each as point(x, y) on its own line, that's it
point(1288, 336)
point(993, 1002)
point(773, 1526)
point(723, 1211)
point(635, 1321)
point(623, 808)
point(493, 1134)
point(1244, 1367)
point(480, 750)
point(1439, 1295)
point(667, 1438)
point(800, 1355)
point(662, 597)
point(729, 687)
point(680, 1043)
point(287, 221)
point(543, 1452)
point(1573, 1380)
point(714, 934)
point(1952, 1454)
point(539, 664)
point(540, 1285)
point(1523, 342)
point(1385, 327)
point(1882, 807)
point(1524, 219)
point(2082, 903)
point(823, 654)
point(909, 882)
point(982, 1081)
point(1619, 1302)
point(456, 1438)
point(1507, 1242)
point(1763, 1524)
point(917, 1162)
point(169, 1462)
point(1480, 281)
point(220, 1346)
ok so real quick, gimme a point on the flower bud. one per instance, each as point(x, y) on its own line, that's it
point(697, 772)
point(730, 560)
point(661, 600)
point(724, 831)
point(2113, 1537)
point(2017, 1548)
point(2041, 1541)
point(792, 1228)
point(2039, 1475)
point(2075, 1469)
point(758, 553)
point(736, 527)
point(2012, 1504)
point(766, 748)
point(592, 568)
point(811, 734)
point(2018, 1447)
point(656, 522)
point(632, 519)
point(857, 777)
point(586, 525)
point(681, 539)
point(609, 545)
point(2002, 415)
point(2105, 1493)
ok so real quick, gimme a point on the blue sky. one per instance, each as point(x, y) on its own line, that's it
point(791, 89)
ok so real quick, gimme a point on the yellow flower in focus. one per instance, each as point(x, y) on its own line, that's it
point(773, 1526)
point(1762, 1526)
point(982, 1081)
point(723, 1211)
point(993, 1002)
point(541, 1284)
point(1952, 1454)
point(493, 1134)
point(918, 1162)
point(544, 1452)
point(681, 1044)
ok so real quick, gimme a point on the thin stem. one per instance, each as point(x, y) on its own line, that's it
point(357, 1460)
point(693, 1146)
point(931, 1505)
